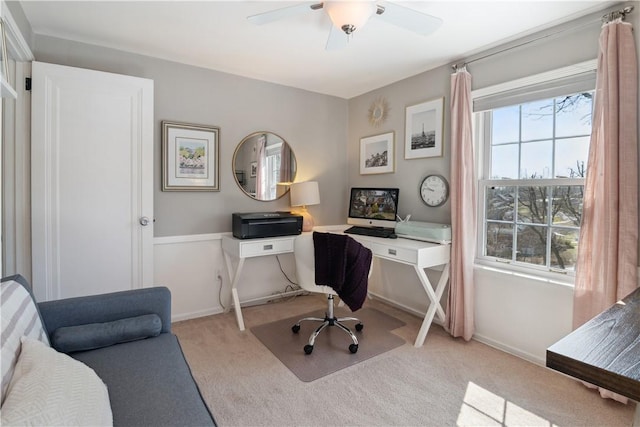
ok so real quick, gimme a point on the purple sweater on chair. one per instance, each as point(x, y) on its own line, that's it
point(343, 264)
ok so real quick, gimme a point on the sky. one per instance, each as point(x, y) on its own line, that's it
point(536, 132)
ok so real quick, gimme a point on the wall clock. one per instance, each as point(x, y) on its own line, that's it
point(434, 190)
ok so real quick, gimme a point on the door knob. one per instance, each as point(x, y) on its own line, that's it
point(144, 221)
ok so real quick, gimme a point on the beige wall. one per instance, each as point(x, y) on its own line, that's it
point(517, 314)
point(314, 125)
point(318, 127)
point(568, 48)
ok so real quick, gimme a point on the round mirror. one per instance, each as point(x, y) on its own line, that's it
point(264, 166)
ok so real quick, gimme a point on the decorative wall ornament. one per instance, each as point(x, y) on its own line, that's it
point(379, 111)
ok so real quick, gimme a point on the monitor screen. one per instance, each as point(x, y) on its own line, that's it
point(375, 207)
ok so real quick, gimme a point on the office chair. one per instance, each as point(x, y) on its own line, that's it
point(305, 272)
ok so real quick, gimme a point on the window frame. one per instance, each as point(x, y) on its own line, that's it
point(482, 142)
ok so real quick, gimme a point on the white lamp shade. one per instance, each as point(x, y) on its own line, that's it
point(350, 13)
point(304, 193)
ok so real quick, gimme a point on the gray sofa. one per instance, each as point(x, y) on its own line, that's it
point(148, 379)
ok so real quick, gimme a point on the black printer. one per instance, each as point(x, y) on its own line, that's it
point(254, 225)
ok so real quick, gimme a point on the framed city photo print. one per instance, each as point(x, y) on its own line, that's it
point(190, 157)
point(423, 132)
point(377, 154)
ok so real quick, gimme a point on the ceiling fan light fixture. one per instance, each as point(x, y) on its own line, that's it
point(349, 15)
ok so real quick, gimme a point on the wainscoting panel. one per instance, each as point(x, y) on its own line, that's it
point(193, 268)
point(518, 315)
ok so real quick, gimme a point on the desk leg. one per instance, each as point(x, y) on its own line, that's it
point(234, 278)
point(434, 299)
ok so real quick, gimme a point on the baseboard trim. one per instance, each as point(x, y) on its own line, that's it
point(477, 337)
point(196, 314)
point(404, 307)
point(508, 349)
point(270, 298)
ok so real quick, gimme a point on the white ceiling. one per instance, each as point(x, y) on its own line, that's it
point(217, 35)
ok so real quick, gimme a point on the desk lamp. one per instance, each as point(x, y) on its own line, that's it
point(305, 194)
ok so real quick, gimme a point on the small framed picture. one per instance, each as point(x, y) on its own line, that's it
point(254, 169)
point(377, 154)
point(190, 157)
point(423, 132)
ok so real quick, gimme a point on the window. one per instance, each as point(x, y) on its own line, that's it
point(271, 165)
point(534, 163)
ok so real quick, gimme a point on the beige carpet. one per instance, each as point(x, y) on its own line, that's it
point(447, 382)
point(331, 349)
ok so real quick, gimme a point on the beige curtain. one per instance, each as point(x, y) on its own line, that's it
point(459, 319)
point(606, 269)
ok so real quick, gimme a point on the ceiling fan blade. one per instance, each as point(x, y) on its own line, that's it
point(337, 39)
point(410, 19)
point(285, 12)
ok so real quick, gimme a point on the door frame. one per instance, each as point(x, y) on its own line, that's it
point(16, 155)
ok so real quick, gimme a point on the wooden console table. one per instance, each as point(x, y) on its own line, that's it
point(605, 351)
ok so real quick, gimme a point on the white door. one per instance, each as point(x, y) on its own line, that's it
point(91, 180)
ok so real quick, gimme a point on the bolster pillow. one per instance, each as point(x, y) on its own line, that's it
point(95, 335)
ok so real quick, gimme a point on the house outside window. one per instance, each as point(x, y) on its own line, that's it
point(534, 145)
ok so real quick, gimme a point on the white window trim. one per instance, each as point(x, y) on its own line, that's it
point(565, 278)
point(571, 70)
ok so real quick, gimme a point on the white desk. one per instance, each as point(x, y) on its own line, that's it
point(249, 248)
point(420, 255)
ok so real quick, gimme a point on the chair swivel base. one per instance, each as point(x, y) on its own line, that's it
point(329, 320)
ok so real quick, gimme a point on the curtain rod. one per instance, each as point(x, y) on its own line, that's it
point(618, 14)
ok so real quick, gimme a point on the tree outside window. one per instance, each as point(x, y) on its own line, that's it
point(533, 191)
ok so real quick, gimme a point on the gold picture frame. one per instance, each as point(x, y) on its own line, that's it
point(190, 157)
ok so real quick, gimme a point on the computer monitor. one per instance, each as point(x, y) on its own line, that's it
point(374, 207)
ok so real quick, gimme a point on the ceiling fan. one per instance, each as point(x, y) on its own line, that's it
point(348, 16)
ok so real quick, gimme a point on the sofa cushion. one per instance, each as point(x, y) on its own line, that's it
point(149, 382)
point(50, 388)
point(20, 317)
point(95, 335)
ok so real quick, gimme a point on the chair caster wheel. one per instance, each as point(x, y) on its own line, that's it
point(309, 348)
point(295, 329)
point(359, 327)
point(353, 348)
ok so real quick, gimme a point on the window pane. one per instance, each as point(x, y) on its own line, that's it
point(537, 120)
point(532, 244)
point(571, 157)
point(500, 202)
point(573, 115)
point(564, 248)
point(499, 242)
point(546, 139)
point(532, 205)
point(567, 205)
point(536, 160)
point(506, 125)
point(504, 161)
